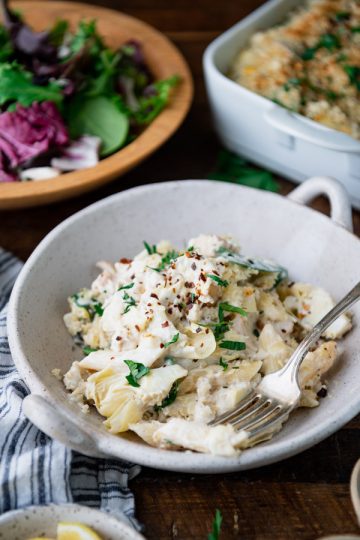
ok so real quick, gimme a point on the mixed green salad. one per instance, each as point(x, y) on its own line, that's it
point(67, 100)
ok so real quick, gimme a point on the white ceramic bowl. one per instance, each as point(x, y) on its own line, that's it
point(42, 521)
point(313, 247)
point(255, 127)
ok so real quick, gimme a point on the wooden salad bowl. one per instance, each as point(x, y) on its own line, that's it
point(164, 60)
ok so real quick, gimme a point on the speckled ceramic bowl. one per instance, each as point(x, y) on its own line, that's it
point(42, 521)
point(313, 247)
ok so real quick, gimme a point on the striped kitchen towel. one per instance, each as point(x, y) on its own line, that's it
point(35, 469)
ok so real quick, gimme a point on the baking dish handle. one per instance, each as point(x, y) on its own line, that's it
point(297, 126)
point(340, 208)
point(56, 425)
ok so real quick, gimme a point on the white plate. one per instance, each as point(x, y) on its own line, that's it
point(313, 248)
point(42, 521)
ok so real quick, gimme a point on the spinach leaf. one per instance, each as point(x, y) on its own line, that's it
point(98, 116)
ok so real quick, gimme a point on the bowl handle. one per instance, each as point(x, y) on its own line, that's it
point(56, 425)
point(340, 208)
point(314, 133)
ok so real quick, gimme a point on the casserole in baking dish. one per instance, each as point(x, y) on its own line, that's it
point(261, 129)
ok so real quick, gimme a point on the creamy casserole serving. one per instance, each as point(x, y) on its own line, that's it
point(310, 64)
point(173, 338)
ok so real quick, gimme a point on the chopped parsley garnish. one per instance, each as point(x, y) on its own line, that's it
point(219, 329)
point(342, 16)
point(192, 297)
point(219, 281)
point(355, 29)
point(130, 286)
point(216, 528)
point(326, 41)
point(129, 301)
point(353, 72)
point(170, 398)
point(191, 248)
point(92, 306)
point(173, 340)
point(223, 306)
point(167, 259)
point(137, 371)
point(292, 83)
point(150, 249)
point(87, 350)
point(223, 364)
point(233, 345)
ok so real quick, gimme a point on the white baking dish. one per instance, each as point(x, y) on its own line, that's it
point(313, 247)
point(268, 134)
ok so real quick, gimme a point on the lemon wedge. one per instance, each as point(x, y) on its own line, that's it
point(75, 531)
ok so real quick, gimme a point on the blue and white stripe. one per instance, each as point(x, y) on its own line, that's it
point(35, 469)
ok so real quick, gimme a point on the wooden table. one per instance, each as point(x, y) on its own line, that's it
point(301, 498)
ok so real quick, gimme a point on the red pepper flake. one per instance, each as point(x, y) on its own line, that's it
point(193, 266)
point(165, 324)
point(178, 296)
point(118, 338)
point(153, 295)
point(202, 276)
point(189, 284)
point(207, 331)
point(201, 345)
point(137, 327)
point(149, 304)
point(112, 357)
point(162, 345)
point(132, 277)
point(170, 311)
point(125, 261)
point(198, 330)
point(174, 290)
point(188, 254)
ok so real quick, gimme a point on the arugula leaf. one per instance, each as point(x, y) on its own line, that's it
point(223, 364)
point(150, 249)
point(87, 36)
point(170, 398)
point(137, 371)
point(223, 306)
point(150, 106)
point(129, 301)
point(130, 286)
point(233, 345)
point(87, 350)
point(219, 281)
point(173, 340)
point(98, 116)
point(106, 69)
point(16, 86)
point(216, 528)
point(234, 169)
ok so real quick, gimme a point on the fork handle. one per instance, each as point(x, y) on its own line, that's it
point(293, 365)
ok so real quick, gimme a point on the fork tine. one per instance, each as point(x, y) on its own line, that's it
point(253, 421)
point(239, 407)
point(250, 411)
point(269, 424)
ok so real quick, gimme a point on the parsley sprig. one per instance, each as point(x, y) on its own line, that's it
point(223, 364)
point(129, 301)
point(137, 371)
point(150, 249)
point(173, 340)
point(92, 306)
point(130, 286)
point(219, 281)
point(233, 345)
point(224, 306)
point(87, 350)
point(170, 398)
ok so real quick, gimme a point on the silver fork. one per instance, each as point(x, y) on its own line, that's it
point(278, 393)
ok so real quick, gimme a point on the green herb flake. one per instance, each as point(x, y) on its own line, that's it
point(223, 306)
point(88, 350)
point(342, 16)
point(216, 527)
point(355, 29)
point(190, 249)
point(223, 364)
point(353, 73)
point(167, 259)
point(137, 371)
point(129, 301)
point(233, 345)
point(219, 281)
point(173, 340)
point(130, 286)
point(170, 398)
point(150, 249)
